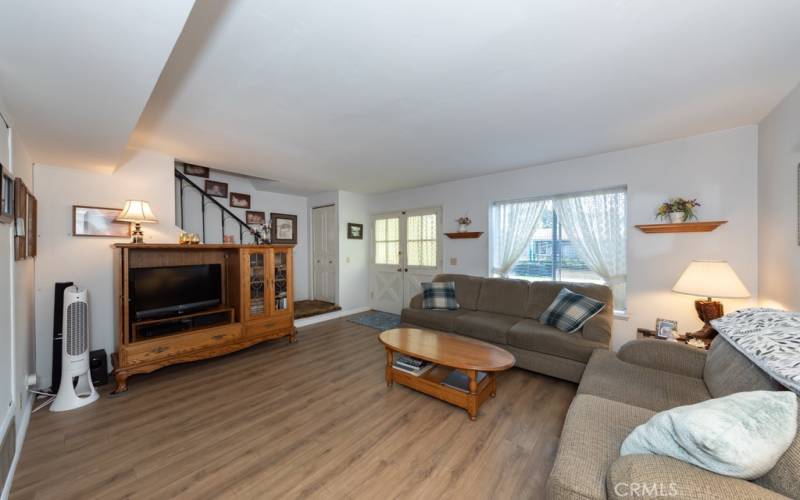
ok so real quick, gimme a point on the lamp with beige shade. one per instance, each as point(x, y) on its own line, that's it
point(710, 278)
point(137, 212)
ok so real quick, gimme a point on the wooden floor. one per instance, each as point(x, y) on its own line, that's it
point(307, 420)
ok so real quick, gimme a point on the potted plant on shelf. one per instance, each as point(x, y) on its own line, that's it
point(463, 223)
point(678, 210)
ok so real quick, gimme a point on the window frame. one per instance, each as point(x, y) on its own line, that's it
point(618, 314)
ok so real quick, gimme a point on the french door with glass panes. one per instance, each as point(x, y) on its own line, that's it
point(406, 251)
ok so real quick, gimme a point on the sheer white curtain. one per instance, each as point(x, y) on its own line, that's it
point(513, 224)
point(596, 224)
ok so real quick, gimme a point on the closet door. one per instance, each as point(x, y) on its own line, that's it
point(326, 242)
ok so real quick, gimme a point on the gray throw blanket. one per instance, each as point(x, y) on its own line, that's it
point(770, 338)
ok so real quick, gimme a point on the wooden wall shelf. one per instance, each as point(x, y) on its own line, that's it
point(683, 227)
point(462, 236)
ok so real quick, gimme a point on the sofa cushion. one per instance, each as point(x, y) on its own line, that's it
point(436, 319)
point(531, 335)
point(728, 371)
point(467, 288)
point(590, 441)
point(653, 476)
point(609, 377)
point(785, 476)
point(503, 296)
point(485, 326)
point(598, 329)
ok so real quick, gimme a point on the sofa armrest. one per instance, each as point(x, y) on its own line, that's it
point(663, 355)
point(654, 476)
point(416, 302)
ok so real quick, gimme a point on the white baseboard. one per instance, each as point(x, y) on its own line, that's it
point(22, 429)
point(313, 320)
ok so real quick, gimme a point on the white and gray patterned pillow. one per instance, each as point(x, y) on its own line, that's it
point(770, 338)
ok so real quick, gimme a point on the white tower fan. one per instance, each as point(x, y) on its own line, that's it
point(75, 353)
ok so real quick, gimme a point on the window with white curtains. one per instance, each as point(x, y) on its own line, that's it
point(577, 237)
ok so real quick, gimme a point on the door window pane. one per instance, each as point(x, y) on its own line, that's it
point(387, 241)
point(422, 240)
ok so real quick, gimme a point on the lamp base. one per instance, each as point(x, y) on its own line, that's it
point(138, 235)
point(707, 310)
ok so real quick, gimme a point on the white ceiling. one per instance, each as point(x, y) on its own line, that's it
point(76, 75)
point(374, 96)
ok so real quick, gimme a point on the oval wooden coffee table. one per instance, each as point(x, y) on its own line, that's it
point(449, 352)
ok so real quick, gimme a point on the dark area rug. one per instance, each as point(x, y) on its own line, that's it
point(377, 319)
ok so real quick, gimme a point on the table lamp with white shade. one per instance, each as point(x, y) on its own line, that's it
point(137, 212)
point(710, 278)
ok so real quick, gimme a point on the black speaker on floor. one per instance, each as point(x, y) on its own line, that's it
point(98, 364)
point(58, 318)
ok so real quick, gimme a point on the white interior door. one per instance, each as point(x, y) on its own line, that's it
point(326, 240)
point(406, 251)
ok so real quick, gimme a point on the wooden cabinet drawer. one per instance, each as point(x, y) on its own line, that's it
point(264, 326)
point(157, 349)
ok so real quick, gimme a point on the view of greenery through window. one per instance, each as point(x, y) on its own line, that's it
point(551, 256)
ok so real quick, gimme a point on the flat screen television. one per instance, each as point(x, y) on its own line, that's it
point(157, 292)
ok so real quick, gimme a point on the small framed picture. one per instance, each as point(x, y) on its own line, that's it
point(355, 231)
point(98, 221)
point(665, 328)
point(240, 200)
point(253, 217)
point(217, 189)
point(6, 196)
point(283, 228)
point(195, 170)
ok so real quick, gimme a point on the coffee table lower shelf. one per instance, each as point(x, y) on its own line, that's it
point(430, 383)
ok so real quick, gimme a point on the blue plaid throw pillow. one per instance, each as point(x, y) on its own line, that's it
point(439, 295)
point(570, 310)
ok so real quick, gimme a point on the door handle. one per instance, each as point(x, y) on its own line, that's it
point(399, 270)
point(406, 270)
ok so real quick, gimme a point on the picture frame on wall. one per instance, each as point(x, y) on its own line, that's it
point(196, 170)
point(240, 200)
point(32, 226)
point(217, 189)
point(355, 231)
point(255, 217)
point(20, 219)
point(283, 228)
point(98, 221)
point(6, 196)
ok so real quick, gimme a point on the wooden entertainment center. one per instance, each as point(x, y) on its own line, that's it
point(256, 305)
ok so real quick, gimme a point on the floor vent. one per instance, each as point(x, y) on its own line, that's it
point(7, 448)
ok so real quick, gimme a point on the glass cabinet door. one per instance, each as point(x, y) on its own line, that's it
point(257, 287)
point(281, 296)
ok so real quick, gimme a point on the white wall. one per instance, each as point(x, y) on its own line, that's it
point(719, 169)
point(778, 250)
point(263, 201)
point(88, 261)
point(17, 352)
point(353, 254)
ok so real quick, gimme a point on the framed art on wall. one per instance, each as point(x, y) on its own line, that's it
point(283, 228)
point(195, 170)
point(98, 221)
point(254, 217)
point(240, 200)
point(217, 189)
point(6, 196)
point(20, 219)
point(355, 231)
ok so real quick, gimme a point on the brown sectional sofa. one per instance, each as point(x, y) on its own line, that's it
point(621, 391)
point(505, 312)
